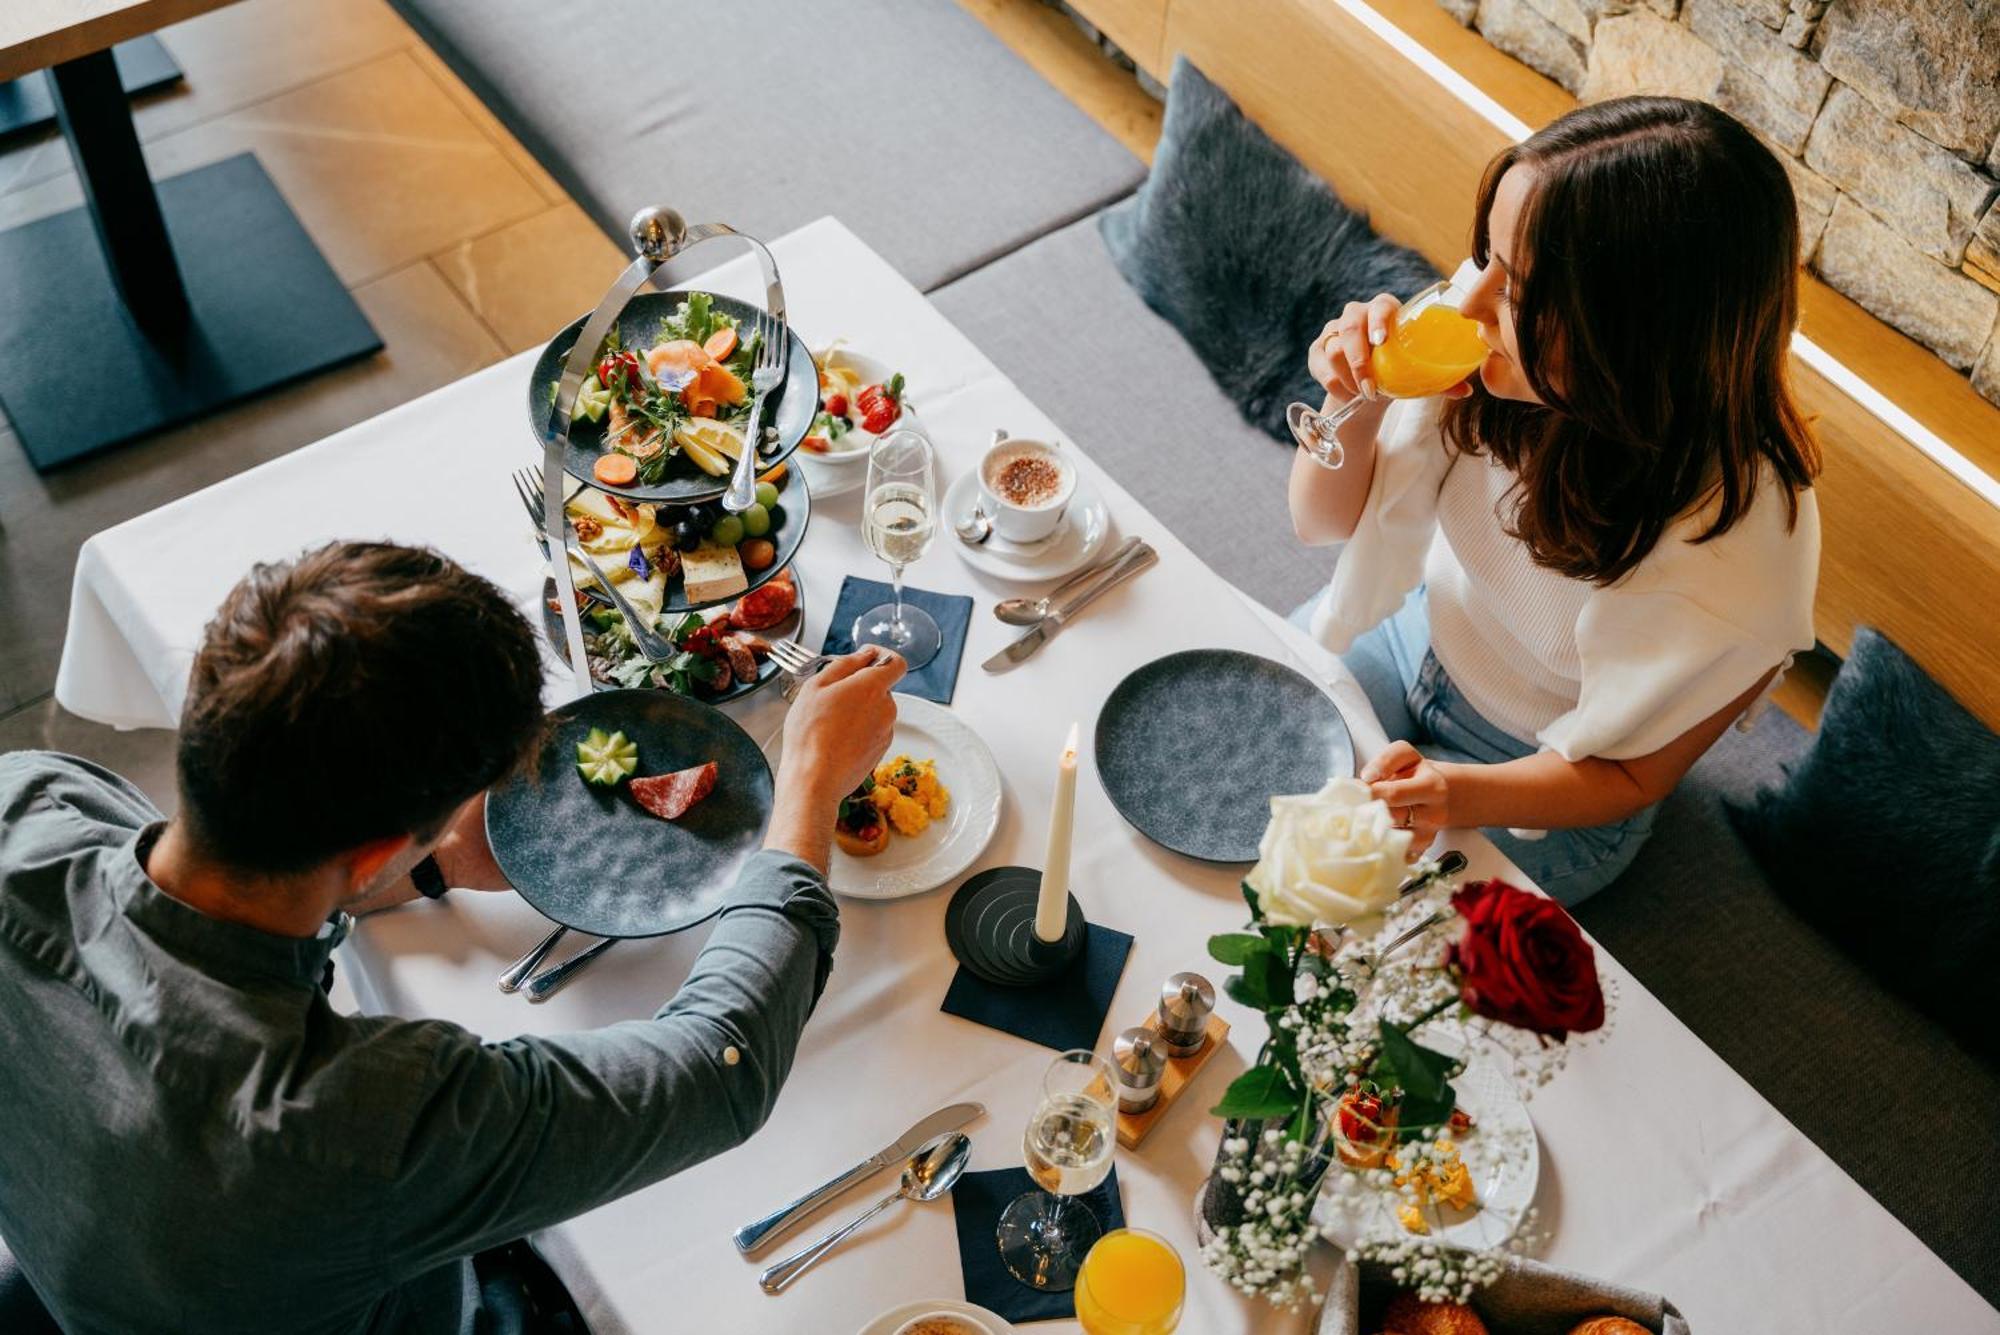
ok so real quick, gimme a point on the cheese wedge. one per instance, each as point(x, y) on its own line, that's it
point(710, 573)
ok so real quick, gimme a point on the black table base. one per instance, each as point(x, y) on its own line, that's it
point(150, 307)
point(27, 104)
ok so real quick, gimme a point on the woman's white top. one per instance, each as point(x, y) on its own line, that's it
point(1615, 672)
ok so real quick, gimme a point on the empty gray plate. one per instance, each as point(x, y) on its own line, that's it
point(591, 858)
point(1193, 746)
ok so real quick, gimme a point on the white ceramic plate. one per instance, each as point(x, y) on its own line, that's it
point(1501, 1151)
point(1074, 544)
point(846, 467)
point(965, 765)
point(886, 1323)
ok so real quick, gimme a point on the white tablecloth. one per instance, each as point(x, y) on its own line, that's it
point(1660, 1167)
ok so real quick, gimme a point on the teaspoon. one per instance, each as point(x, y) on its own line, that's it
point(1031, 611)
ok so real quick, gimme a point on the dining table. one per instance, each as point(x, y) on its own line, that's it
point(1660, 1168)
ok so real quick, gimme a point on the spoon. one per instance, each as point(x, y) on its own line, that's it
point(931, 1172)
point(1032, 611)
point(977, 527)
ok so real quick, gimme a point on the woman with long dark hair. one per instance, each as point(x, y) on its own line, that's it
point(1563, 580)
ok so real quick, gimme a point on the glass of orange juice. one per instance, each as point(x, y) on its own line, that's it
point(1430, 348)
point(1132, 1283)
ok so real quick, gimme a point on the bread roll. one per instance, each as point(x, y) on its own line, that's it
point(1609, 1325)
point(1408, 1314)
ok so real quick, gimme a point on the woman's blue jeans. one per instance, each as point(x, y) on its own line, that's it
point(1417, 703)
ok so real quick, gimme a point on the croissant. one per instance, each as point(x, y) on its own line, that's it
point(1408, 1314)
point(1609, 1325)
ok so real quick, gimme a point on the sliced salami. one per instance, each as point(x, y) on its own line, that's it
point(671, 796)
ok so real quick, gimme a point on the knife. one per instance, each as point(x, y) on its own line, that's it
point(751, 1236)
point(1021, 650)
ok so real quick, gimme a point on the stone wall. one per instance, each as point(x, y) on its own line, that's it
point(1886, 114)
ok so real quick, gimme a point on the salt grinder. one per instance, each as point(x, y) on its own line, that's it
point(1185, 1003)
point(1137, 1056)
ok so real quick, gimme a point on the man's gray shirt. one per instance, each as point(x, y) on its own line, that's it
point(192, 1139)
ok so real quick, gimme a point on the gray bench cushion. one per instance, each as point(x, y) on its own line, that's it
point(908, 121)
point(1908, 1113)
point(1061, 321)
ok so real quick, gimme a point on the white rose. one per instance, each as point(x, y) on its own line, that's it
point(1328, 857)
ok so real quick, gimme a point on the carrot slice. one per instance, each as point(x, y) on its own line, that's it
point(720, 343)
point(615, 470)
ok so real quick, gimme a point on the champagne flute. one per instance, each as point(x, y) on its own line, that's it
point(1044, 1235)
point(1430, 348)
point(898, 520)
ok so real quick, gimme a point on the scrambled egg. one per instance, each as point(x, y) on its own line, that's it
point(908, 792)
point(1439, 1175)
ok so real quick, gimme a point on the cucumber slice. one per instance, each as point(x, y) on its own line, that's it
point(606, 761)
point(593, 400)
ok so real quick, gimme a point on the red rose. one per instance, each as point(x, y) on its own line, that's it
point(1523, 961)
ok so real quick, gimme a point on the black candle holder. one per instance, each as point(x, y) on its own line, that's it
point(990, 927)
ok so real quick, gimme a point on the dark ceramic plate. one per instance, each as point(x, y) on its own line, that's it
point(590, 858)
point(1193, 746)
point(789, 409)
point(788, 629)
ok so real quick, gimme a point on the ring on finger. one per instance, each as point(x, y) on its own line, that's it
point(1407, 819)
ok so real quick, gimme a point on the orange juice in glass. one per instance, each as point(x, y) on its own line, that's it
point(1131, 1284)
point(1429, 348)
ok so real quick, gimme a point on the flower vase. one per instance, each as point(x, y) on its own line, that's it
point(1219, 1204)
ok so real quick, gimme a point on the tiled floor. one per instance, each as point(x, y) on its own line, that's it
point(459, 247)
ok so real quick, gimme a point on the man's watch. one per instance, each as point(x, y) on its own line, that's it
point(428, 879)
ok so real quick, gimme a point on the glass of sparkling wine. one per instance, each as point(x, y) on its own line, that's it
point(898, 519)
point(1044, 1235)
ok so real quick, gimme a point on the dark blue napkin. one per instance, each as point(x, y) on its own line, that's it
point(1065, 1012)
point(935, 680)
point(976, 1203)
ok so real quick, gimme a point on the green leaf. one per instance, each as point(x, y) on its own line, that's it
point(1234, 947)
point(1420, 1071)
point(1260, 1091)
point(1246, 993)
point(1250, 898)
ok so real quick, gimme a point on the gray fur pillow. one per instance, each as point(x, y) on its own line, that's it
point(1246, 252)
point(1886, 836)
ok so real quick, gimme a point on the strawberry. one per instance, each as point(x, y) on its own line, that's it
point(881, 405)
point(837, 405)
point(1360, 1117)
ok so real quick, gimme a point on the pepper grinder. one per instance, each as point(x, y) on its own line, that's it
point(1186, 1001)
point(1137, 1057)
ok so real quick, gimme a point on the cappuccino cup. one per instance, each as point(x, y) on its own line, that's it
point(1026, 486)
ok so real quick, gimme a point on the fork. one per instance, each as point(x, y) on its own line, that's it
point(654, 647)
point(774, 345)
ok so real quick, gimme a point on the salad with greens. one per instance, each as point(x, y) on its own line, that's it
point(686, 396)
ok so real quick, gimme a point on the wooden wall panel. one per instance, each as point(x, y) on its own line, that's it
point(1907, 547)
point(1138, 27)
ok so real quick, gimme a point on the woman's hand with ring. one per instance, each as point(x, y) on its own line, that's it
point(1339, 357)
point(1417, 790)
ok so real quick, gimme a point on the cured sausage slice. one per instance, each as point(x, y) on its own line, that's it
point(671, 796)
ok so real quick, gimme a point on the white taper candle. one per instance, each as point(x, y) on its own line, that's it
point(1052, 909)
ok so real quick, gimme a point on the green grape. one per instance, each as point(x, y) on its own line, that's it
point(767, 494)
point(756, 521)
point(728, 530)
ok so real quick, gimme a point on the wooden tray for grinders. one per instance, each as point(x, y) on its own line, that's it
point(1180, 1073)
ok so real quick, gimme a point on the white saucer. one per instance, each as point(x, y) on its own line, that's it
point(1076, 541)
point(886, 1323)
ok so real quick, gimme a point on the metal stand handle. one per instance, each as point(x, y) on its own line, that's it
point(660, 237)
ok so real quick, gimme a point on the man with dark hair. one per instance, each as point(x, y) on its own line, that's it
point(192, 1139)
